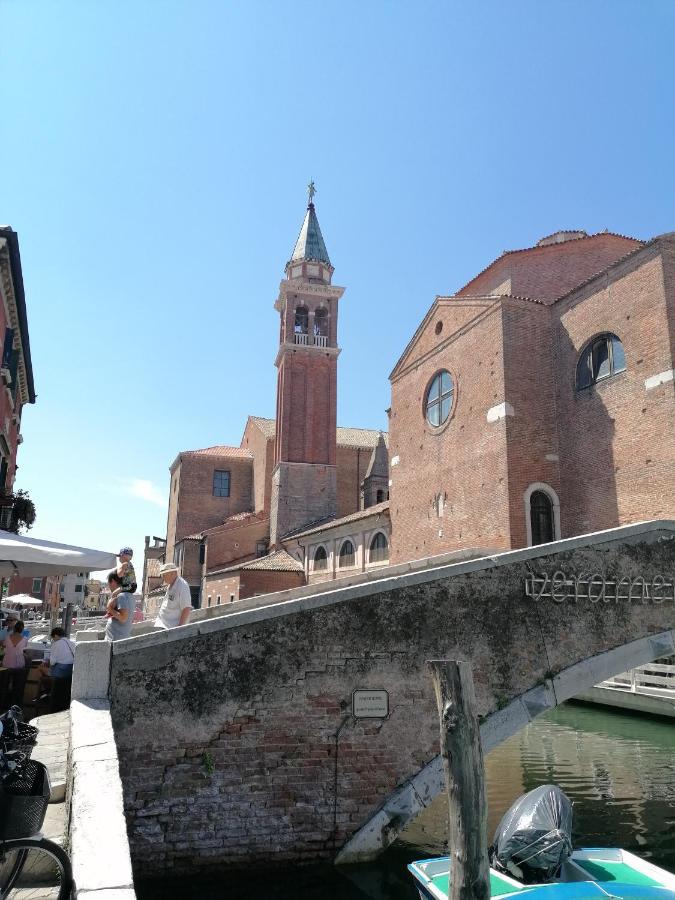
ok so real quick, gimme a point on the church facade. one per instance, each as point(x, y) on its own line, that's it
point(538, 403)
point(534, 404)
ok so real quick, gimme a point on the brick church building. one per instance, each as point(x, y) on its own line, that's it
point(536, 403)
point(245, 520)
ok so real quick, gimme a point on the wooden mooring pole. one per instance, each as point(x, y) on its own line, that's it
point(464, 779)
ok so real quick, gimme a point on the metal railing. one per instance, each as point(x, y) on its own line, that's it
point(657, 679)
point(305, 340)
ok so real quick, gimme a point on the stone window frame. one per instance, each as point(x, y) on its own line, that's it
point(315, 550)
point(352, 540)
point(609, 337)
point(371, 538)
point(553, 497)
point(440, 429)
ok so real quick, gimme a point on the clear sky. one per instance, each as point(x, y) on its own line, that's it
point(155, 157)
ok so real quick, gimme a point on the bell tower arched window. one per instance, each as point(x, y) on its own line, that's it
point(321, 323)
point(301, 320)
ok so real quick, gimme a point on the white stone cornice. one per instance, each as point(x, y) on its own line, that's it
point(301, 286)
point(304, 348)
point(12, 316)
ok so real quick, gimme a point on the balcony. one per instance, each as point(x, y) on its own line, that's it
point(306, 340)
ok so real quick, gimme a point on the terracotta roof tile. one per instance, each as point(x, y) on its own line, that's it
point(324, 524)
point(219, 450)
point(546, 247)
point(346, 437)
point(279, 561)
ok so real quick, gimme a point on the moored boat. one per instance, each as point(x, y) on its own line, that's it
point(587, 873)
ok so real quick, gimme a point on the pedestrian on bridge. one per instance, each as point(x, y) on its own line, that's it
point(177, 604)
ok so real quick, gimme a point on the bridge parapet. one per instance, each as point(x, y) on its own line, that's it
point(237, 738)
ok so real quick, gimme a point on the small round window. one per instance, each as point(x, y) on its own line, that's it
point(438, 402)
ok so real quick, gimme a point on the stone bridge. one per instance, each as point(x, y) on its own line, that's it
point(237, 737)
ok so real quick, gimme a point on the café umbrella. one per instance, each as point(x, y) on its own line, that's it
point(22, 555)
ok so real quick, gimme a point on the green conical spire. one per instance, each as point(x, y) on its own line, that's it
point(310, 244)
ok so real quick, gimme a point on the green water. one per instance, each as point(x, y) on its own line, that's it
point(618, 769)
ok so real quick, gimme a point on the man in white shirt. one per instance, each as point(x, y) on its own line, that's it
point(177, 604)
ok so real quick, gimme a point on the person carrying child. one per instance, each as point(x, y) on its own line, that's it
point(126, 571)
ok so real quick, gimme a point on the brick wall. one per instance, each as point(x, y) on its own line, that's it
point(617, 440)
point(235, 541)
point(352, 464)
point(550, 271)
point(532, 432)
point(248, 753)
point(465, 461)
point(301, 494)
point(225, 586)
point(198, 509)
point(306, 407)
point(262, 449)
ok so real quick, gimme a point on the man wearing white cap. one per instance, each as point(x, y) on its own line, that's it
point(177, 605)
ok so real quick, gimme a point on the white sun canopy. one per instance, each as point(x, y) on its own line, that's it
point(29, 556)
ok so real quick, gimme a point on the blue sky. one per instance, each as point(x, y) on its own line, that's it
point(156, 154)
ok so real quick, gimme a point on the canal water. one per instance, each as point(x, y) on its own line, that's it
point(618, 770)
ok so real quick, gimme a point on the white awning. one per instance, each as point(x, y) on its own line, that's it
point(22, 600)
point(29, 556)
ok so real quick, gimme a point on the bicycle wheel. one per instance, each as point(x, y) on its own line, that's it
point(34, 869)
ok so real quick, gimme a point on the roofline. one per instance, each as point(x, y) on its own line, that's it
point(647, 245)
point(20, 297)
point(536, 247)
point(338, 523)
point(490, 299)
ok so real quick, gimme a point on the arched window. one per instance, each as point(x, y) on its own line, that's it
point(301, 320)
point(602, 358)
point(321, 323)
point(320, 559)
point(379, 497)
point(541, 518)
point(346, 555)
point(379, 548)
point(438, 401)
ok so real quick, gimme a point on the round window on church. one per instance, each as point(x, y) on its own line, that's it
point(438, 401)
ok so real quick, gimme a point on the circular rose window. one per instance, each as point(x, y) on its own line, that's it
point(438, 402)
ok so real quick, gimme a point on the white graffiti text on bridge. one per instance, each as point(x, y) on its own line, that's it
point(598, 588)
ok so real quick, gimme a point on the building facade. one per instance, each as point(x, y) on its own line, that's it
point(537, 403)
point(16, 371)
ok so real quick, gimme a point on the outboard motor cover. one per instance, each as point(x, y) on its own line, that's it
point(534, 838)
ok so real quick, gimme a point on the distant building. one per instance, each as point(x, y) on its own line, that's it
point(93, 594)
point(16, 371)
point(72, 588)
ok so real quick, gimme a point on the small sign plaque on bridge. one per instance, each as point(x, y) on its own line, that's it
point(370, 704)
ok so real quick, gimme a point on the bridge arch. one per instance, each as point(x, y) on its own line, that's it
point(408, 800)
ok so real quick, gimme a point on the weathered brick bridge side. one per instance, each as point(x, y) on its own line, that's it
point(236, 738)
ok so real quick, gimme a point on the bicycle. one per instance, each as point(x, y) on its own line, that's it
point(31, 866)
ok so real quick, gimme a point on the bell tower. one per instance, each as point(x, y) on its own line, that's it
point(304, 480)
